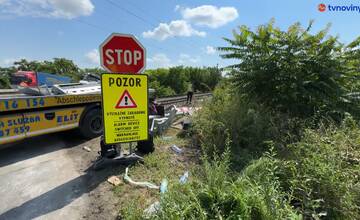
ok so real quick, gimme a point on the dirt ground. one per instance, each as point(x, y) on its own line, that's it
point(48, 177)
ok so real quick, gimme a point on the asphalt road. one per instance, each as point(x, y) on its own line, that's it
point(48, 177)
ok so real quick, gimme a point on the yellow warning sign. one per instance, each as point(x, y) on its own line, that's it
point(125, 107)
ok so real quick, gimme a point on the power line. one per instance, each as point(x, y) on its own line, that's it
point(152, 25)
point(158, 20)
point(110, 31)
point(93, 25)
point(144, 11)
point(130, 12)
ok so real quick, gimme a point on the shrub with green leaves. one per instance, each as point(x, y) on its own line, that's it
point(249, 125)
point(293, 71)
point(323, 172)
point(318, 179)
point(216, 193)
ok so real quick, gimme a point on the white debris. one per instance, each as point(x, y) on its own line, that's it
point(152, 209)
point(88, 149)
point(114, 180)
point(176, 149)
point(141, 184)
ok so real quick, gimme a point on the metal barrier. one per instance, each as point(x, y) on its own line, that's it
point(180, 99)
point(160, 124)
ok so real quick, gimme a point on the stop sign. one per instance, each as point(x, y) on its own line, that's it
point(122, 53)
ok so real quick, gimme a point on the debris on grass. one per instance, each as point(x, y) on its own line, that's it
point(114, 180)
point(163, 186)
point(183, 179)
point(176, 149)
point(186, 124)
point(186, 110)
point(152, 209)
point(167, 138)
point(140, 184)
point(163, 163)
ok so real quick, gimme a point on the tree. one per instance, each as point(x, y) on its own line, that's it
point(351, 60)
point(293, 71)
point(97, 71)
point(25, 65)
point(177, 79)
point(5, 76)
point(60, 66)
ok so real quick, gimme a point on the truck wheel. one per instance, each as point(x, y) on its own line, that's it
point(92, 125)
point(146, 147)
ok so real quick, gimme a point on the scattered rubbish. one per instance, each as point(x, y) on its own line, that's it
point(88, 149)
point(176, 149)
point(155, 207)
point(183, 179)
point(163, 186)
point(186, 110)
point(167, 138)
point(177, 127)
point(152, 209)
point(114, 180)
point(186, 124)
point(141, 184)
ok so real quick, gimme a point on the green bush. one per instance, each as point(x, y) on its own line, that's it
point(318, 179)
point(293, 71)
point(175, 80)
point(5, 76)
point(216, 194)
point(323, 170)
point(4, 82)
point(249, 125)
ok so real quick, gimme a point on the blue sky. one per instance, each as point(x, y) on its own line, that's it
point(174, 32)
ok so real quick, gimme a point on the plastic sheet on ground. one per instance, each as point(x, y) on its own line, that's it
point(152, 209)
point(163, 186)
point(176, 149)
point(186, 110)
point(183, 179)
point(155, 207)
point(140, 184)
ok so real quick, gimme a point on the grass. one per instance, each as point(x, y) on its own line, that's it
point(268, 168)
point(319, 179)
point(163, 163)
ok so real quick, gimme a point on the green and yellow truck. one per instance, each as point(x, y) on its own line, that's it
point(30, 111)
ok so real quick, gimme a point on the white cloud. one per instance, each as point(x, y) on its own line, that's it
point(93, 57)
point(159, 60)
point(186, 59)
point(7, 62)
point(68, 9)
point(209, 15)
point(72, 8)
point(174, 28)
point(210, 50)
point(177, 7)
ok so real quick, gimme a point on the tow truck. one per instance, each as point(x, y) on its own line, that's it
point(43, 103)
point(38, 105)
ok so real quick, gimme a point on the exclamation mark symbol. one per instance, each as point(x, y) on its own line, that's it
point(126, 100)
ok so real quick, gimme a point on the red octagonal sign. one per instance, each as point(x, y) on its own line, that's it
point(122, 53)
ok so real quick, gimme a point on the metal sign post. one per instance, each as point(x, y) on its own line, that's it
point(124, 97)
